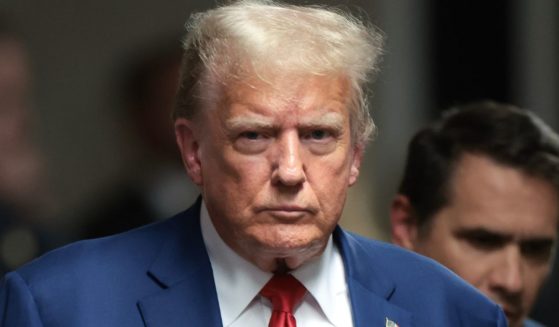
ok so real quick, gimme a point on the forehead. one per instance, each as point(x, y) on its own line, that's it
point(287, 94)
point(486, 194)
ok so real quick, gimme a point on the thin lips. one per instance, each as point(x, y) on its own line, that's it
point(287, 208)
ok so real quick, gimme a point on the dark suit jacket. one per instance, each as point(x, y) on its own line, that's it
point(160, 276)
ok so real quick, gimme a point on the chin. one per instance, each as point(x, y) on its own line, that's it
point(288, 246)
point(284, 241)
point(291, 258)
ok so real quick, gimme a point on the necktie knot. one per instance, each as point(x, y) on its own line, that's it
point(285, 292)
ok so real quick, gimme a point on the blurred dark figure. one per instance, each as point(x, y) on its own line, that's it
point(21, 194)
point(156, 186)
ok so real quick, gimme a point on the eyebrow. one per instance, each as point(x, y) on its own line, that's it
point(498, 236)
point(484, 233)
point(331, 119)
point(252, 121)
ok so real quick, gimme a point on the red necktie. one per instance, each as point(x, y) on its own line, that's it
point(285, 292)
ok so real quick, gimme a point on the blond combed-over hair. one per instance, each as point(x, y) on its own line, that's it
point(259, 37)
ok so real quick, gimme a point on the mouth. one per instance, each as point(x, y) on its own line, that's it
point(287, 212)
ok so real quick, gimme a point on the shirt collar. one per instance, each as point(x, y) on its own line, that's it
point(324, 278)
point(238, 281)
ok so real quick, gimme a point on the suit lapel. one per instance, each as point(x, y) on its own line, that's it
point(185, 304)
point(188, 294)
point(369, 287)
point(184, 273)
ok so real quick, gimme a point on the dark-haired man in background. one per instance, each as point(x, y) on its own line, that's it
point(479, 194)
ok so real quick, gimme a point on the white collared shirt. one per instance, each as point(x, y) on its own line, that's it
point(238, 283)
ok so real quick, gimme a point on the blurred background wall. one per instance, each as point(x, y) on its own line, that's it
point(438, 53)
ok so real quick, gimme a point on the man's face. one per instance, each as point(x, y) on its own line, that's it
point(274, 161)
point(497, 232)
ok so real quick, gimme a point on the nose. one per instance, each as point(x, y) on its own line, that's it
point(289, 169)
point(507, 275)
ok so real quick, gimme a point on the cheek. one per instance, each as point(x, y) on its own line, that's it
point(225, 164)
point(246, 176)
point(332, 171)
point(329, 182)
point(535, 276)
point(475, 273)
point(451, 253)
point(330, 190)
point(472, 266)
point(235, 179)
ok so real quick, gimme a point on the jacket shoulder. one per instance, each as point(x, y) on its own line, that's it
point(99, 279)
point(420, 285)
point(131, 248)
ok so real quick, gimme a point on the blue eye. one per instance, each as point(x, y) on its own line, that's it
point(319, 134)
point(252, 142)
point(251, 135)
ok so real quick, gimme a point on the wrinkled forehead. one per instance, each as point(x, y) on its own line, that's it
point(277, 87)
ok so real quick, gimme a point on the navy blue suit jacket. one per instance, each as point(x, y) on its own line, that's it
point(160, 276)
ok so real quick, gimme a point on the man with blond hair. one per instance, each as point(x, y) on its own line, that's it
point(271, 121)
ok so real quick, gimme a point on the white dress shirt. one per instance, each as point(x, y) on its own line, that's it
point(238, 283)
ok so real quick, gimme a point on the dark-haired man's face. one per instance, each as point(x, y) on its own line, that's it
point(497, 232)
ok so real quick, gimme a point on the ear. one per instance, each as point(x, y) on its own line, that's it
point(404, 223)
point(355, 164)
point(189, 148)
